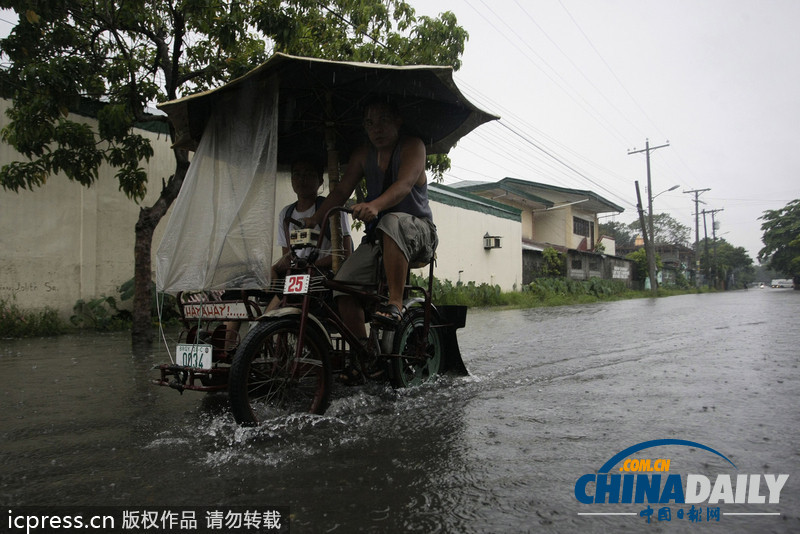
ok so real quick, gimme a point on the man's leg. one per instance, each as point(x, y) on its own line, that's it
point(352, 314)
point(395, 265)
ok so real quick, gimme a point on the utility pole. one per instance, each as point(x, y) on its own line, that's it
point(697, 193)
point(643, 225)
point(714, 233)
point(705, 242)
point(651, 252)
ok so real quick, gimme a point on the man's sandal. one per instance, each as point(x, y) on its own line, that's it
point(388, 315)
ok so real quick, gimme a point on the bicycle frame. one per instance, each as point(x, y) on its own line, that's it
point(368, 297)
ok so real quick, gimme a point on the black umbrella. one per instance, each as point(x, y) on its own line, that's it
point(322, 101)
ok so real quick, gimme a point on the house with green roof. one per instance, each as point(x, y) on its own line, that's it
point(560, 218)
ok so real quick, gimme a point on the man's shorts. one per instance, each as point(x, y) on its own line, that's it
point(416, 238)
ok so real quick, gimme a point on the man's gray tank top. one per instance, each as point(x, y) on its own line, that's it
point(415, 203)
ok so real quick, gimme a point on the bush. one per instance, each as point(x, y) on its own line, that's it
point(17, 323)
point(553, 264)
point(544, 291)
point(548, 288)
point(101, 314)
point(167, 303)
point(470, 294)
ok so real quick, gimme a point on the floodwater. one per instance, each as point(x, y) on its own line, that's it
point(553, 394)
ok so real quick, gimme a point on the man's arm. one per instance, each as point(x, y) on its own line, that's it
point(411, 171)
point(337, 197)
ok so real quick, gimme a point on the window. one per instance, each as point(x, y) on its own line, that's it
point(577, 264)
point(581, 227)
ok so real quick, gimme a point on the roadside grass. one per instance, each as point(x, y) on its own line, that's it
point(16, 322)
point(542, 292)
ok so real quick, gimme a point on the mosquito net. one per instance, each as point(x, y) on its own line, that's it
point(219, 234)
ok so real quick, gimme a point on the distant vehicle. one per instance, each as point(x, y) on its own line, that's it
point(761, 285)
point(782, 282)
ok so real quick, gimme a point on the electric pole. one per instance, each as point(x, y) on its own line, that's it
point(651, 252)
point(697, 193)
point(714, 233)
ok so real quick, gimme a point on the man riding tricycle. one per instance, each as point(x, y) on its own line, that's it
point(366, 322)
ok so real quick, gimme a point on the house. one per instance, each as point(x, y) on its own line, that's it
point(560, 218)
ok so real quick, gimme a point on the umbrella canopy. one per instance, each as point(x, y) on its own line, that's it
point(318, 97)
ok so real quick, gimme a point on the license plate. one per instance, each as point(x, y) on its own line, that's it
point(193, 356)
point(296, 284)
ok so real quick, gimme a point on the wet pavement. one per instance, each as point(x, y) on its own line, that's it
point(553, 394)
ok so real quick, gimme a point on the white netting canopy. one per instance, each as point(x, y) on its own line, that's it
point(219, 235)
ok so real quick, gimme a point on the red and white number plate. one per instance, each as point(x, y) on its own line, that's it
point(296, 284)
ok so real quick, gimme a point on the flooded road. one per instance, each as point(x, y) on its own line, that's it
point(553, 395)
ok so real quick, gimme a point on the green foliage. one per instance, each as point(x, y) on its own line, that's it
point(546, 291)
point(724, 260)
point(162, 306)
point(103, 314)
point(781, 239)
point(470, 294)
point(544, 288)
point(15, 322)
point(681, 281)
point(667, 229)
point(623, 236)
point(100, 314)
point(372, 31)
point(640, 268)
point(553, 263)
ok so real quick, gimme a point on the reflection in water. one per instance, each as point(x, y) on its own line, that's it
point(552, 394)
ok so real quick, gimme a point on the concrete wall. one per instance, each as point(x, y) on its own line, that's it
point(63, 242)
point(461, 254)
point(582, 265)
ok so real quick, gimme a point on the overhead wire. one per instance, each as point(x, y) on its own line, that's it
point(556, 154)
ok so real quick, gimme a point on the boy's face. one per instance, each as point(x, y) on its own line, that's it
point(305, 179)
point(382, 125)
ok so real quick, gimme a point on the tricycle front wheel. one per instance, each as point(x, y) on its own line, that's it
point(268, 379)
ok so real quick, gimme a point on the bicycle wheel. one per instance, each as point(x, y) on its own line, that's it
point(268, 380)
point(420, 358)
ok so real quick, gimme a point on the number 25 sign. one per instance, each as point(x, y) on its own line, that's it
point(296, 284)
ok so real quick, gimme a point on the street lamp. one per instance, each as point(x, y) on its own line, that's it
point(673, 188)
point(651, 255)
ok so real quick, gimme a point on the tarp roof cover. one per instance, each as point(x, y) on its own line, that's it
point(219, 235)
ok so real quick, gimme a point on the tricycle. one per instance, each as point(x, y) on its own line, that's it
point(288, 358)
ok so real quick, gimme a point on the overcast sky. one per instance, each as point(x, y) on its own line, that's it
point(589, 81)
point(581, 83)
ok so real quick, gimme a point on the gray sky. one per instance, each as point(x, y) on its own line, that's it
point(590, 80)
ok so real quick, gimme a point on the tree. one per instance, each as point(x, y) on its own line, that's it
point(781, 239)
point(667, 230)
point(727, 264)
point(126, 56)
point(621, 232)
point(640, 266)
